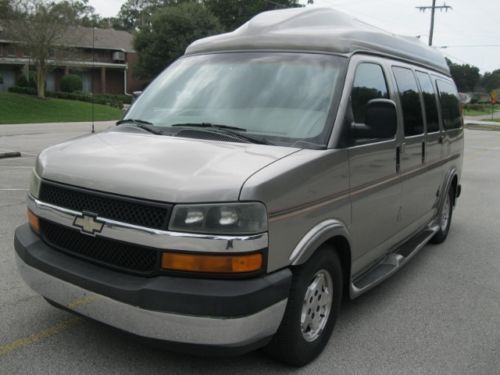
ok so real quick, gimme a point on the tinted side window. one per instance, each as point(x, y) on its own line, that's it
point(369, 83)
point(450, 105)
point(410, 101)
point(431, 112)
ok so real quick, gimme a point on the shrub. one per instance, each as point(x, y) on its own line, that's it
point(474, 107)
point(106, 99)
point(24, 81)
point(71, 83)
point(23, 90)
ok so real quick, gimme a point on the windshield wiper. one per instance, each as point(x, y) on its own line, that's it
point(225, 129)
point(146, 125)
point(209, 125)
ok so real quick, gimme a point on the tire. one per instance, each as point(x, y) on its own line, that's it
point(444, 219)
point(290, 344)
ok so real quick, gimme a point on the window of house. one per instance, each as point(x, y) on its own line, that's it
point(410, 101)
point(430, 104)
point(10, 50)
point(450, 105)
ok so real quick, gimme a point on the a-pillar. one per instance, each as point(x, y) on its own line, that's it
point(103, 80)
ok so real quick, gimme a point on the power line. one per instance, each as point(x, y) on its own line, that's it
point(433, 8)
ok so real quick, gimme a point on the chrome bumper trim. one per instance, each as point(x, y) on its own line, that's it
point(152, 324)
point(152, 237)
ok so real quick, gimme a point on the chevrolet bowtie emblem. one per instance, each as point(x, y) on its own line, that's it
point(88, 224)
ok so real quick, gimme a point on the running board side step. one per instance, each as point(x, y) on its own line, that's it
point(392, 262)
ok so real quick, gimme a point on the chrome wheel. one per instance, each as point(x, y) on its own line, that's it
point(445, 213)
point(317, 305)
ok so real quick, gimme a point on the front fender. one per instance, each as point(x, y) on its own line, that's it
point(315, 237)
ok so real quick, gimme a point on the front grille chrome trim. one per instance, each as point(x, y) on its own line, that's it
point(155, 238)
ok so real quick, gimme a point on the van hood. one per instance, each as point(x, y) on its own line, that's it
point(161, 168)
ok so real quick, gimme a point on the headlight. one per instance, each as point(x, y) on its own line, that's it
point(35, 184)
point(225, 218)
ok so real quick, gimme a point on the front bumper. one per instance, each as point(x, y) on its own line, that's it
point(219, 313)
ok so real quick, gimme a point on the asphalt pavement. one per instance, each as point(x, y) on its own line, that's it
point(439, 315)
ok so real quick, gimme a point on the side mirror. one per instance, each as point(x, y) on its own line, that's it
point(381, 118)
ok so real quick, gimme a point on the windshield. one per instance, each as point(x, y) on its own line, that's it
point(283, 98)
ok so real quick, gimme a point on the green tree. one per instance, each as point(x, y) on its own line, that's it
point(491, 81)
point(172, 29)
point(234, 13)
point(465, 76)
point(40, 25)
point(137, 14)
point(5, 8)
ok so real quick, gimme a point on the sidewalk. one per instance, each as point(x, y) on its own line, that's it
point(53, 127)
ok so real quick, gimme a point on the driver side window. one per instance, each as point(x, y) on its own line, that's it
point(369, 84)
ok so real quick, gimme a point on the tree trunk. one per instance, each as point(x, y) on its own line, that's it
point(40, 81)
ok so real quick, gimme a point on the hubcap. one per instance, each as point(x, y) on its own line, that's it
point(445, 213)
point(317, 306)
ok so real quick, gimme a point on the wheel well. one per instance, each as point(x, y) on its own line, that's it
point(341, 245)
point(454, 184)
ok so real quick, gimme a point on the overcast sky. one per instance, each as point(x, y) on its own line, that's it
point(465, 29)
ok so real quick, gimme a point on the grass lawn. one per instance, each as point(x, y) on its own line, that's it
point(20, 109)
point(487, 111)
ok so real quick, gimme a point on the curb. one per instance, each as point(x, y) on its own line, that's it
point(4, 155)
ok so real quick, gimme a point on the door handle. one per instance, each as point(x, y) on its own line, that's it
point(398, 159)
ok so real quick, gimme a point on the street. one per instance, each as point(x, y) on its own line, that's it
point(439, 315)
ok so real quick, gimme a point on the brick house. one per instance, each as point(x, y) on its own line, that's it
point(104, 64)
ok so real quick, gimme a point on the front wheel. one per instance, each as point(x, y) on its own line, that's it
point(444, 218)
point(312, 309)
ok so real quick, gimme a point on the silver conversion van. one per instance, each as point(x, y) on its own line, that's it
point(259, 180)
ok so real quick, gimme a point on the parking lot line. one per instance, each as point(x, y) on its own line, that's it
point(51, 331)
point(40, 335)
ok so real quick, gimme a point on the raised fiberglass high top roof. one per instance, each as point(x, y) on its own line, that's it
point(319, 30)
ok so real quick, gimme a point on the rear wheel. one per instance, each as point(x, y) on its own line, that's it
point(312, 309)
point(444, 218)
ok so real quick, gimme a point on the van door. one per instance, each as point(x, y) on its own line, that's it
point(434, 141)
point(375, 189)
point(415, 199)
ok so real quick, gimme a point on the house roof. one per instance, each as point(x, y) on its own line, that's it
point(319, 29)
point(103, 39)
point(82, 37)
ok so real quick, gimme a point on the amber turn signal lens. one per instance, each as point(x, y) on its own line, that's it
point(212, 263)
point(34, 221)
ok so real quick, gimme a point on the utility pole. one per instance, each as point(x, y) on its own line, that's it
point(433, 11)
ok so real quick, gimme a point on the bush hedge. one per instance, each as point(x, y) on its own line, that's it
point(24, 81)
point(106, 99)
point(71, 83)
point(475, 107)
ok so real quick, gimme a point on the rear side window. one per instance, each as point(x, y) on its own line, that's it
point(430, 104)
point(450, 105)
point(410, 101)
point(369, 83)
